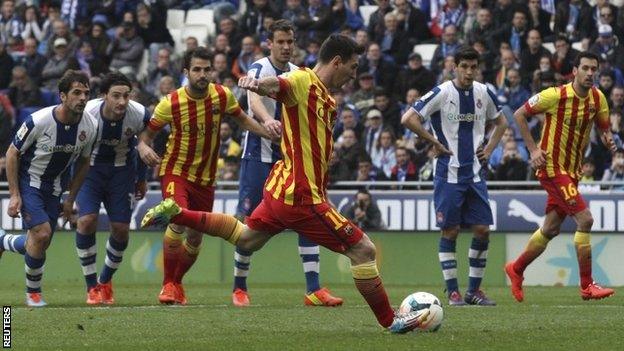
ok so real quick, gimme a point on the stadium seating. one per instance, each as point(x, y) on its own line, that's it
point(175, 19)
point(176, 34)
point(203, 17)
point(550, 47)
point(366, 11)
point(426, 51)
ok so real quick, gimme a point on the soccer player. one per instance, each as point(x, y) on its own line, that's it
point(259, 155)
point(458, 110)
point(38, 170)
point(188, 168)
point(115, 178)
point(295, 194)
point(570, 110)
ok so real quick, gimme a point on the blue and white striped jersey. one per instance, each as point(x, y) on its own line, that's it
point(116, 140)
point(458, 119)
point(48, 148)
point(254, 147)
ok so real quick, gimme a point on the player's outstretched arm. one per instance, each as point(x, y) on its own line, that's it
point(538, 156)
point(607, 139)
point(260, 112)
point(80, 173)
point(411, 120)
point(500, 126)
point(253, 126)
point(147, 154)
point(267, 86)
point(12, 168)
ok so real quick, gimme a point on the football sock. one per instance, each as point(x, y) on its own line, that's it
point(13, 242)
point(172, 245)
point(34, 272)
point(309, 253)
point(536, 245)
point(242, 260)
point(477, 257)
point(187, 258)
point(446, 255)
point(114, 255)
point(368, 282)
point(214, 224)
point(87, 251)
point(584, 256)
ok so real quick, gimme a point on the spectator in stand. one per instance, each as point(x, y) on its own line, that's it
point(54, 13)
point(251, 22)
point(376, 26)
point(362, 38)
point(514, 33)
point(394, 42)
point(482, 30)
point(404, 170)
point(126, 50)
point(318, 22)
point(164, 67)
point(6, 65)
point(311, 55)
point(390, 110)
point(99, 40)
point(230, 169)
point(503, 12)
point(411, 21)
point(153, 30)
point(470, 17)
point(22, 91)
point(606, 80)
point(374, 126)
point(11, 25)
point(512, 166)
point(61, 30)
point(383, 153)
point(539, 19)
point(425, 172)
point(587, 177)
point(363, 97)
point(220, 67)
point(295, 12)
point(228, 146)
point(383, 69)
point(496, 158)
point(448, 70)
point(607, 16)
point(221, 45)
point(348, 120)
point(607, 47)
point(507, 61)
point(165, 86)
point(243, 62)
point(337, 171)
point(513, 94)
point(32, 24)
point(414, 76)
point(616, 99)
point(616, 171)
point(530, 57)
point(57, 65)
point(32, 60)
point(563, 60)
point(448, 46)
point(574, 19)
point(617, 128)
point(544, 77)
point(347, 152)
point(229, 28)
point(91, 64)
point(363, 211)
point(367, 172)
point(452, 14)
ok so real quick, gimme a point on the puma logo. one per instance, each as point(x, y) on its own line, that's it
point(519, 209)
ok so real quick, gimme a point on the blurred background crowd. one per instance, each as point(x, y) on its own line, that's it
point(525, 46)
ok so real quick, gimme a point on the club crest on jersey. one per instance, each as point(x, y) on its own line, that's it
point(215, 110)
point(348, 230)
point(479, 104)
point(82, 136)
point(129, 131)
point(439, 217)
point(592, 107)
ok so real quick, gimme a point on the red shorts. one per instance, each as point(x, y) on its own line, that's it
point(320, 223)
point(563, 195)
point(187, 194)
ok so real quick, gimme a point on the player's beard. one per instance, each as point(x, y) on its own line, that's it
point(200, 85)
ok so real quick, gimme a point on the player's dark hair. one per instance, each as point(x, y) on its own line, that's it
point(339, 45)
point(587, 55)
point(200, 52)
point(281, 25)
point(112, 79)
point(467, 53)
point(70, 77)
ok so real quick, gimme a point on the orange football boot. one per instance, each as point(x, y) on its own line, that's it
point(93, 296)
point(596, 292)
point(106, 291)
point(516, 282)
point(322, 297)
point(168, 294)
point(180, 296)
point(240, 298)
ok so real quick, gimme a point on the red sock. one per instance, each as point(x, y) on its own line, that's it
point(187, 257)
point(375, 295)
point(584, 256)
point(172, 244)
point(536, 245)
point(214, 224)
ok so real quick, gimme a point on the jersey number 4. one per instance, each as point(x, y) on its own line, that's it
point(170, 188)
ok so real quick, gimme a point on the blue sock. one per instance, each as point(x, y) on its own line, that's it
point(13, 242)
point(34, 272)
point(309, 253)
point(87, 251)
point(446, 255)
point(114, 255)
point(242, 260)
point(477, 255)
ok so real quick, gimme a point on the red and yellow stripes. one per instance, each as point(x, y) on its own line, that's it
point(300, 178)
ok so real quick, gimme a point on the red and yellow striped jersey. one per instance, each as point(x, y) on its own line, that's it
point(193, 144)
point(309, 115)
point(567, 126)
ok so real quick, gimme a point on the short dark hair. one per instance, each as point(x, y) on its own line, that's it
point(281, 25)
point(200, 52)
point(562, 37)
point(363, 191)
point(364, 157)
point(380, 91)
point(114, 78)
point(587, 55)
point(70, 77)
point(466, 53)
point(339, 45)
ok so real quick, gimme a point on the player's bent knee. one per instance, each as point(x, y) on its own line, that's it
point(87, 224)
point(362, 252)
point(120, 231)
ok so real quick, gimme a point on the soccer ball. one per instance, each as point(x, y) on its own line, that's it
point(421, 300)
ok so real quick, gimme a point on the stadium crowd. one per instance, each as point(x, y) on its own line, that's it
point(524, 48)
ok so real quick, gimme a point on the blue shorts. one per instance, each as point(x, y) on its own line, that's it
point(39, 207)
point(253, 175)
point(461, 204)
point(113, 186)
